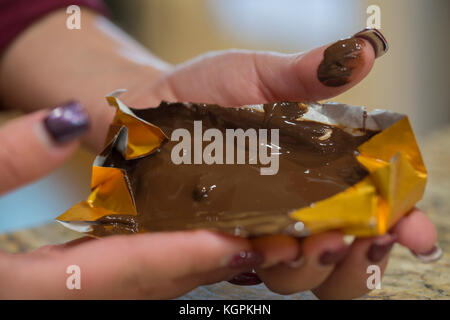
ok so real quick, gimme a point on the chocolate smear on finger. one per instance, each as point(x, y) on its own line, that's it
point(339, 61)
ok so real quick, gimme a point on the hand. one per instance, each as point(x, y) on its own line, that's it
point(165, 265)
point(162, 265)
point(322, 263)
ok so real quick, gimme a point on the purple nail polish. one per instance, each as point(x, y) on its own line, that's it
point(333, 256)
point(246, 259)
point(376, 39)
point(431, 256)
point(66, 122)
point(245, 279)
point(381, 247)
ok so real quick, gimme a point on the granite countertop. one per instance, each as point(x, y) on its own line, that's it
point(405, 277)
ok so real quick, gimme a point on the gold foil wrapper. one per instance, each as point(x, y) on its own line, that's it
point(396, 180)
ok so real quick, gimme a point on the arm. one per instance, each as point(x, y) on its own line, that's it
point(65, 64)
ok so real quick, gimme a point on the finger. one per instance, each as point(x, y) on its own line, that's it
point(351, 278)
point(245, 77)
point(33, 145)
point(276, 249)
point(416, 232)
point(158, 265)
point(319, 255)
point(58, 247)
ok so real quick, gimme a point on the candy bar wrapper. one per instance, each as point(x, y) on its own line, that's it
point(396, 179)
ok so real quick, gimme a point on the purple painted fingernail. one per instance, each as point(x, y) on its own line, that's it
point(376, 39)
point(245, 279)
point(66, 122)
point(431, 256)
point(333, 256)
point(380, 247)
point(246, 259)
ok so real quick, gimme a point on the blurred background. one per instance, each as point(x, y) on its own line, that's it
point(412, 78)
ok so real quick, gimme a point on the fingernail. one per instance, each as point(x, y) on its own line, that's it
point(344, 56)
point(380, 247)
point(298, 262)
point(245, 279)
point(246, 259)
point(339, 61)
point(376, 39)
point(333, 256)
point(431, 256)
point(66, 122)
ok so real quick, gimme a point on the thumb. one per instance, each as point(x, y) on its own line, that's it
point(239, 77)
point(33, 145)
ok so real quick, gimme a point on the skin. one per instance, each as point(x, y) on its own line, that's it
point(62, 64)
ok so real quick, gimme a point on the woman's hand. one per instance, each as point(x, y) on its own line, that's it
point(159, 265)
point(323, 263)
point(166, 265)
point(57, 64)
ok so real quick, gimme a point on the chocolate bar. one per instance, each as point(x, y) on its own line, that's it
point(316, 161)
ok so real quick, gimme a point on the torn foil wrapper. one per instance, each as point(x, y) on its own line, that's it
point(394, 178)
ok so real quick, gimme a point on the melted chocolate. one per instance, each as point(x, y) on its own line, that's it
point(316, 161)
point(339, 60)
